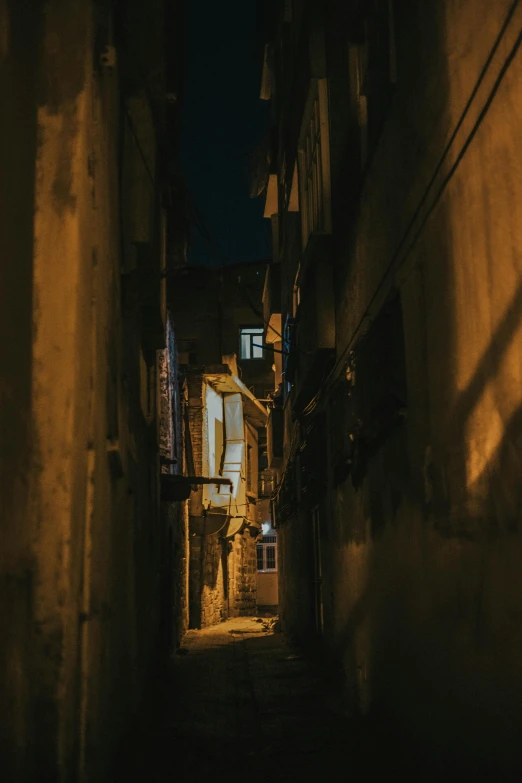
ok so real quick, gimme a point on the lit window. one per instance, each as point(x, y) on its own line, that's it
point(314, 163)
point(266, 552)
point(270, 557)
point(252, 342)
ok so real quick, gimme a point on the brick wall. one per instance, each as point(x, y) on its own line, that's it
point(207, 569)
point(195, 414)
point(208, 581)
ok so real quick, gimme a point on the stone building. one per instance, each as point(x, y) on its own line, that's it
point(394, 195)
point(89, 220)
point(219, 313)
point(224, 420)
point(219, 323)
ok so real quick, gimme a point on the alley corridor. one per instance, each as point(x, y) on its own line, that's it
point(239, 701)
point(260, 357)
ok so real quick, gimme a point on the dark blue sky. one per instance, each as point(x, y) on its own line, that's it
point(223, 120)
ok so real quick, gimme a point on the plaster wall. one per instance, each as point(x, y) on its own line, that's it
point(81, 530)
point(426, 611)
point(420, 561)
point(267, 590)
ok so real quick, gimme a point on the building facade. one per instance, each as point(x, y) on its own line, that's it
point(228, 374)
point(88, 377)
point(393, 195)
point(224, 420)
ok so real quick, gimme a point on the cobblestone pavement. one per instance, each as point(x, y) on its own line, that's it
point(239, 701)
point(251, 700)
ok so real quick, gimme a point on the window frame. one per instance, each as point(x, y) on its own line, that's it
point(263, 545)
point(252, 332)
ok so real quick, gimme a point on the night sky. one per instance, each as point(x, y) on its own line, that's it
point(223, 121)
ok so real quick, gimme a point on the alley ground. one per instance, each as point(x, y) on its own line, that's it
point(239, 702)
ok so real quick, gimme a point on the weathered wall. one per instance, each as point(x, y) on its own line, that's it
point(222, 570)
point(209, 309)
point(223, 578)
point(62, 464)
point(174, 551)
point(208, 577)
point(267, 590)
point(427, 611)
point(421, 548)
point(20, 39)
point(295, 577)
point(81, 531)
point(242, 575)
point(208, 584)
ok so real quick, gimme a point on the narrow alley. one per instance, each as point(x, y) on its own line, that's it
point(239, 700)
point(260, 391)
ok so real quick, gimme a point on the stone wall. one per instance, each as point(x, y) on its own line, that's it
point(242, 575)
point(196, 418)
point(20, 38)
point(222, 579)
point(208, 580)
point(211, 307)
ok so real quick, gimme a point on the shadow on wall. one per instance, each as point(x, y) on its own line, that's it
point(496, 493)
point(208, 594)
point(439, 604)
point(437, 598)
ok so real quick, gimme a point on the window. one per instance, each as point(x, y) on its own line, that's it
point(267, 482)
point(314, 163)
point(267, 554)
point(251, 342)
